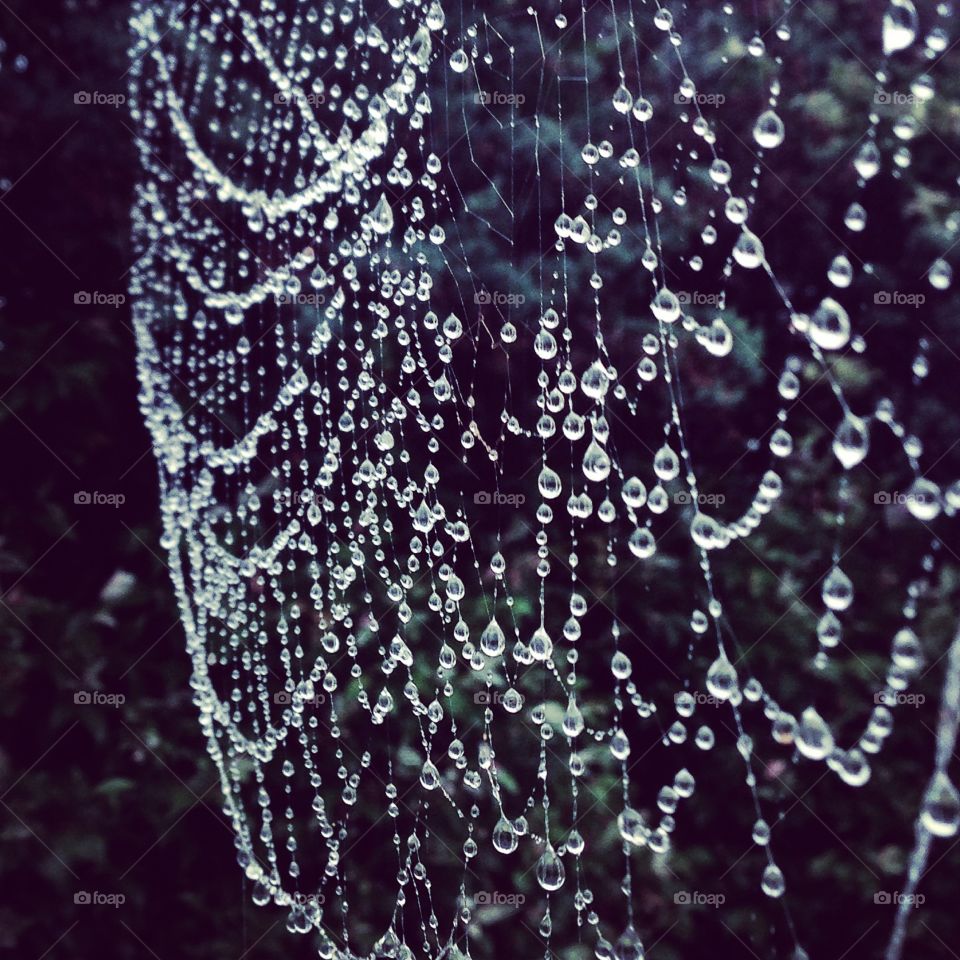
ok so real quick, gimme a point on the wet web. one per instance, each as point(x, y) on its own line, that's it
point(426, 302)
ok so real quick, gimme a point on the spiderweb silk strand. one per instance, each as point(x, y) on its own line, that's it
point(425, 299)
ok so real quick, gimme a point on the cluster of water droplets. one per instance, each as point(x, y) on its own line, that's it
point(323, 389)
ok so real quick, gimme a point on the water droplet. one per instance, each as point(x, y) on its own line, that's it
point(666, 464)
point(549, 484)
point(837, 590)
point(665, 306)
point(768, 130)
point(382, 216)
point(748, 251)
point(940, 814)
point(899, 26)
point(722, 678)
point(430, 776)
point(830, 325)
point(492, 640)
point(504, 836)
point(632, 827)
point(867, 160)
point(851, 441)
point(628, 946)
point(923, 499)
point(813, 738)
point(550, 870)
point(773, 884)
point(459, 62)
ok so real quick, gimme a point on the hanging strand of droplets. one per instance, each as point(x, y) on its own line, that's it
point(228, 628)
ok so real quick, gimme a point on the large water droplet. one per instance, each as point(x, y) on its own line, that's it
point(722, 678)
point(830, 325)
point(768, 130)
point(628, 946)
point(852, 441)
point(549, 484)
point(813, 738)
point(773, 884)
point(941, 807)
point(492, 640)
point(430, 776)
point(837, 590)
point(382, 215)
point(665, 306)
point(899, 26)
point(550, 870)
point(504, 836)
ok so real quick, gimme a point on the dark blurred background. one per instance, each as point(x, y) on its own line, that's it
point(105, 785)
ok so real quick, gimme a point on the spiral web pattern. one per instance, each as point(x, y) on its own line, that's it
point(418, 464)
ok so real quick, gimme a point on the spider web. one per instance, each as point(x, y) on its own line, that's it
point(429, 306)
